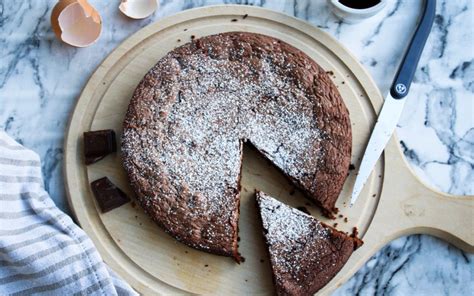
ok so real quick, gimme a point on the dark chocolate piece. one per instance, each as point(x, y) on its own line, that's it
point(98, 144)
point(108, 195)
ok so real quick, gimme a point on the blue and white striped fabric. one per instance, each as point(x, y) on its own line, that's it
point(42, 251)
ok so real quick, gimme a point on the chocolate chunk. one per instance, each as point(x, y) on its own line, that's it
point(97, 144)
point(108, 195)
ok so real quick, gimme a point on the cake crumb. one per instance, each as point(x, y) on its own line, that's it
point(346, 220)
point(245, 16)
point(334, 225)
point(233, 20)
point(355, 232)
point(351, 167)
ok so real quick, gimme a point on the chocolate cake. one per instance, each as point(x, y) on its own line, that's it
point(305, 254)
point(192, 112)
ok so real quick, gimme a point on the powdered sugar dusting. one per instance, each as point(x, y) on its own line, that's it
point(218, 107)
point(284, 224)
point(287, 227)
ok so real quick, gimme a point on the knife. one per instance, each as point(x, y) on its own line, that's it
point(395, 100)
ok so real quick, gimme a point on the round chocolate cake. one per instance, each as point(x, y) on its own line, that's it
point(192, 112)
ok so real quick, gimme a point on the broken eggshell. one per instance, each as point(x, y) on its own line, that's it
point(76, 22)
point(138, 9)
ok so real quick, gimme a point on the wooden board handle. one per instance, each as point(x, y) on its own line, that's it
point(409, 206)
point(448, 217)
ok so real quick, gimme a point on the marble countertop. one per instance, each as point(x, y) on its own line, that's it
point(40, 80)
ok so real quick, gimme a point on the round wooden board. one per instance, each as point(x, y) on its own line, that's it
point(152, 261)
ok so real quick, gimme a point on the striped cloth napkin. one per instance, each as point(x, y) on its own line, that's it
point(42, 251)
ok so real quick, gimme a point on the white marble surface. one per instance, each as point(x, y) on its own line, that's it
point(41, 78)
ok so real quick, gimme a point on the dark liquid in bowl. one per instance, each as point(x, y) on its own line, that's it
point(359, 4)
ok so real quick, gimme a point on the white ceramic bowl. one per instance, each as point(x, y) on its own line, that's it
point(352, 15)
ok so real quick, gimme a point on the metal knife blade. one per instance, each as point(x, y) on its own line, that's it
point(383, 130)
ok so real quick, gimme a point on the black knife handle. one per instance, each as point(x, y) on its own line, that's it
point(406, 71)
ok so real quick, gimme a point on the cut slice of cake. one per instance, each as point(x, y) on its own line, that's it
point(305, 254)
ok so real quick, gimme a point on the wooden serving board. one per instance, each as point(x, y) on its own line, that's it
point(394, 202)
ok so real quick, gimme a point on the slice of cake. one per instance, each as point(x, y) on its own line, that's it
point(305, 254)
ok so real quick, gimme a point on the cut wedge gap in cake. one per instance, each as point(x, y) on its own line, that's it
point(305, 254)
point(325, 210)
point(236, 254)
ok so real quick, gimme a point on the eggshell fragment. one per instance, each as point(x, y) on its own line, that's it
point(138, 9)
point(76, 22)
